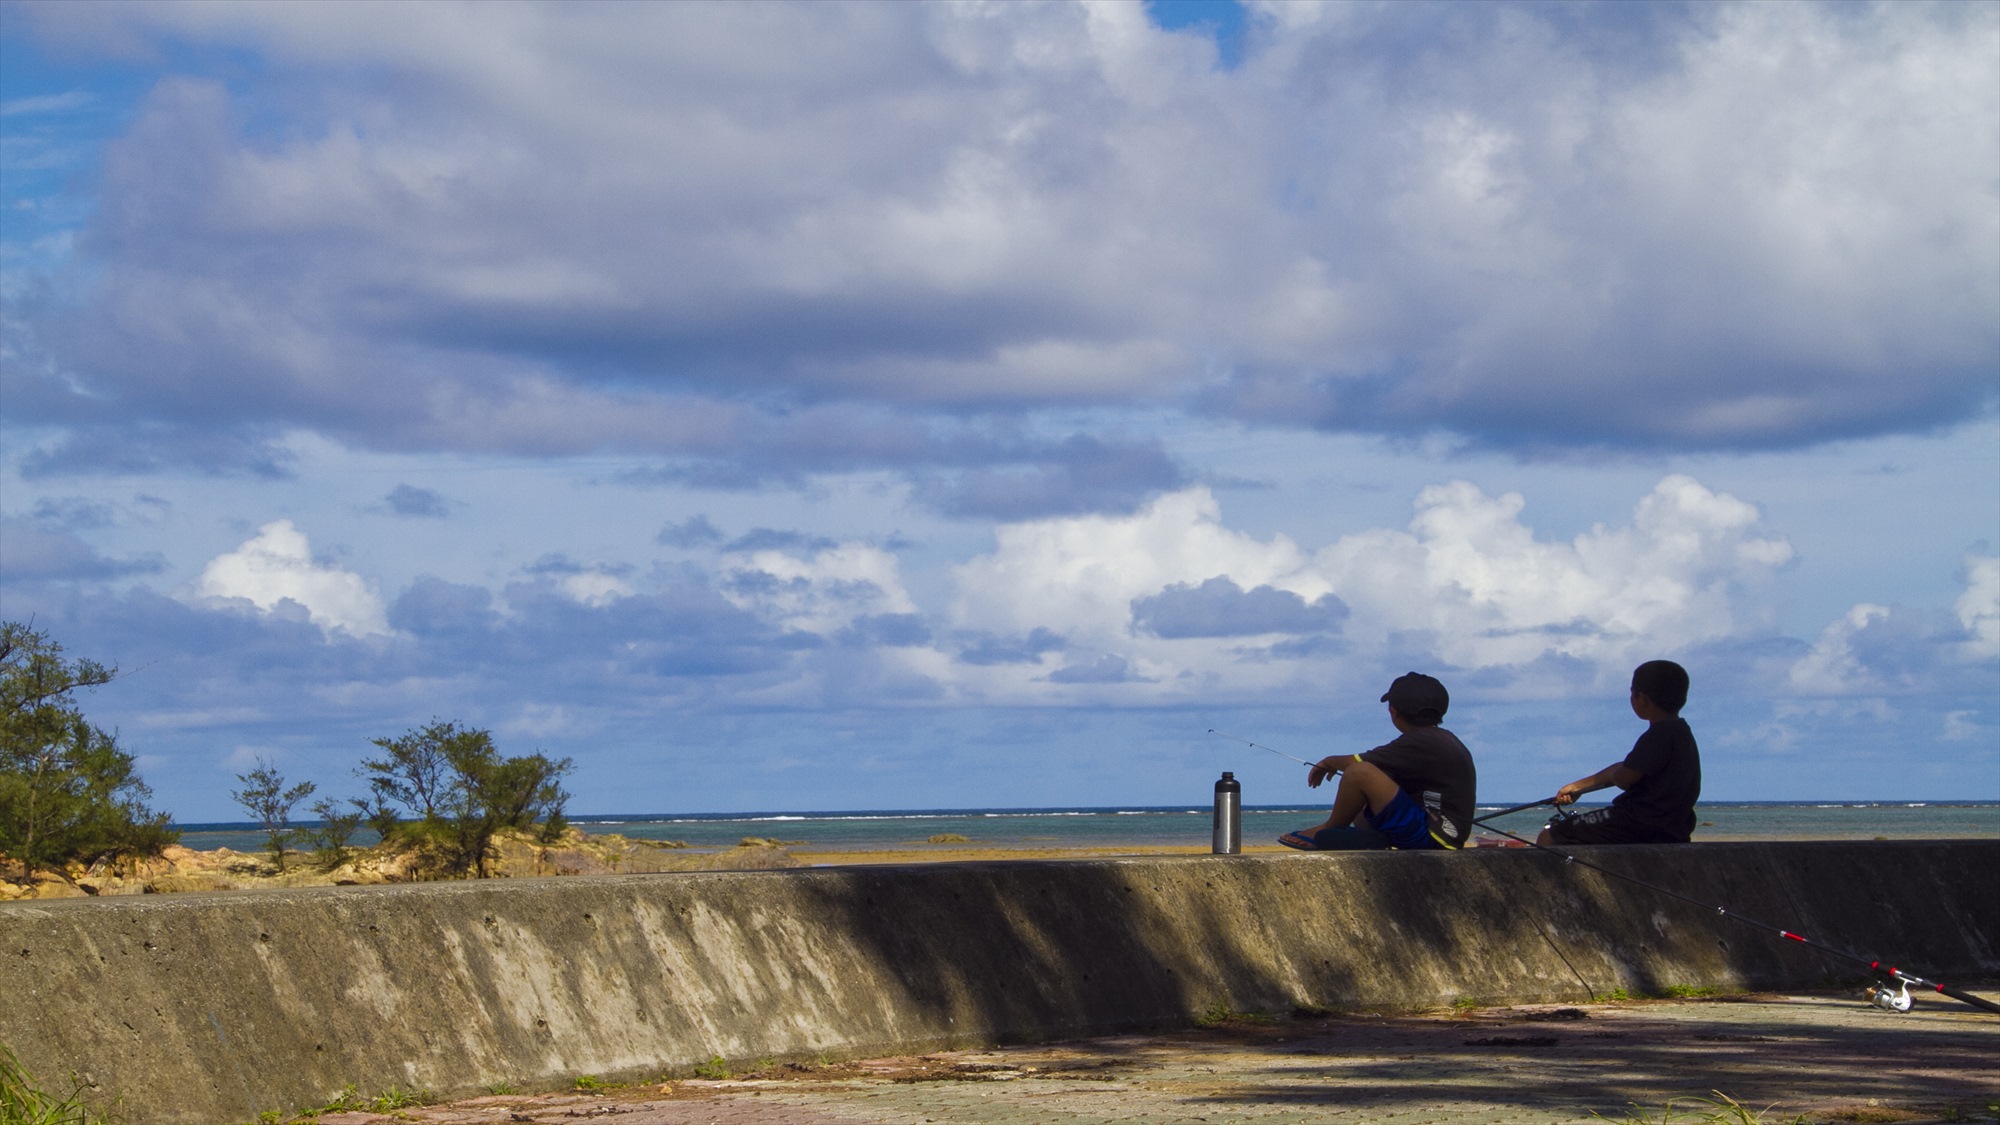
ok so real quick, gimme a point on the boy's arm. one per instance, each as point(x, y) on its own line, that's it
point(1328, 766)
point(1617, 773)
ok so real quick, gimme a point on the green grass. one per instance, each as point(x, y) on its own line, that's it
point(503, 1088)
point(1464, 1004)
point(347, 1099)
point(395, 1097)
point(716, 1067)
point(1614, 994)
point(1689, 991)
point(24, 1103)
point(1219, 1013)
point(590, 1083)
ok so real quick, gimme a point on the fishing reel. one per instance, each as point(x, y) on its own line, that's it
point(1897, 1001)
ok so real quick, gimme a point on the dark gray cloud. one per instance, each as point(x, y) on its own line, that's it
point(35, 551)
point(133, 447)
point(75, 513)
point(1080, 474)
point(773, 539)
point(1543, 227)
point(1108, 668)
point(894, 630)
point(417, 503)
point(987, 648)
point(557, 563)
point(1221, 608)
point(695, 531)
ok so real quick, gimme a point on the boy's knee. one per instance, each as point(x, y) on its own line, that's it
point(1363, 771)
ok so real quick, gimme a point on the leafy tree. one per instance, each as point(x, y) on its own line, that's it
point(416, 770)
point(67, 792)
point(378, 814)
point(267, 799)
point(495, 793)
point(464, 792)
point(336, 828)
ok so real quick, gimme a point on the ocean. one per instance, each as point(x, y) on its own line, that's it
point(1141, 827)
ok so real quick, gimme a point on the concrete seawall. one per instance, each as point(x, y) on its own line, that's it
point(214, 1008)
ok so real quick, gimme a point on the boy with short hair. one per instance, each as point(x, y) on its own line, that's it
point(1414, 793)
point(1661, 777)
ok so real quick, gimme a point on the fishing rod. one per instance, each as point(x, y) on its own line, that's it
point(1481, 821)
point(1898, 1001)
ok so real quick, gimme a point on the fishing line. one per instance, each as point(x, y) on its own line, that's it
point(1884, 999)
point(1261, 746)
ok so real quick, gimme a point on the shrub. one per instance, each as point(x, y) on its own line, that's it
point(463, 794)
point(68, 794)
point(265, 797)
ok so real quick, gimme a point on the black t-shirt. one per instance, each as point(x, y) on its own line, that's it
point(1661, 802)
point(1435, 768)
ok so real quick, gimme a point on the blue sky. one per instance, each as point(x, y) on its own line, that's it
point(888, 405)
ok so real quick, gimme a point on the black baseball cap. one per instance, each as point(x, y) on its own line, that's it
point(1418, 696)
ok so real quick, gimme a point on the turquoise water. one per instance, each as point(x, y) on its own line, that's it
point(1150, 827)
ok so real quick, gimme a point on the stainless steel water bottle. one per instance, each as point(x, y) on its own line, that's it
point(1228, 815)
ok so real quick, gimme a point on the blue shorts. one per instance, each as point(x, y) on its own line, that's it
point(1402, 823)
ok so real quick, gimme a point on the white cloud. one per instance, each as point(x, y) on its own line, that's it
point(822, 593)
point(1978, 609)
point(1468, 584)
point(1079, 576)
point(1884, 650)
point(1833, 667)
point(595, 588)
point(1756, 224)
point(277, 567)
point(1470, 573)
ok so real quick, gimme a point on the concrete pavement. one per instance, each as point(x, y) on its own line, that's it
point(1828, 1057)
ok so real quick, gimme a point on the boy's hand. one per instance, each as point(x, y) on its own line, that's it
point(1327, 767)
point(1568, 794)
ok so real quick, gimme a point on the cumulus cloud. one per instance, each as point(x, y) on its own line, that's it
point(835, 587)
point(1875, 650)
point(1719, 225)
point(1467, 584)
point(1978, 609)
point(416, 503)
point(597, 584)
point(276, 573)
point(1221, 608)
point(695, 531)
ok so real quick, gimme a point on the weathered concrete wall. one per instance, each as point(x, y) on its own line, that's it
point(213, 1008)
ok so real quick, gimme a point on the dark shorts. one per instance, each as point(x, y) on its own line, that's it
point(1605, 826)
point(1401, 824)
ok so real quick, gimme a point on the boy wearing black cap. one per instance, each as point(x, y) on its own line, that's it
point(1413, 793)
point(1661, 777)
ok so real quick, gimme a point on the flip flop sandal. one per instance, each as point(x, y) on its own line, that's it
point(1301, 841)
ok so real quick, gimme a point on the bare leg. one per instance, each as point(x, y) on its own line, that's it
point(1363, 789)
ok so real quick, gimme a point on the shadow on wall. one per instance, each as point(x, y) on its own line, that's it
point(1018, 951)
